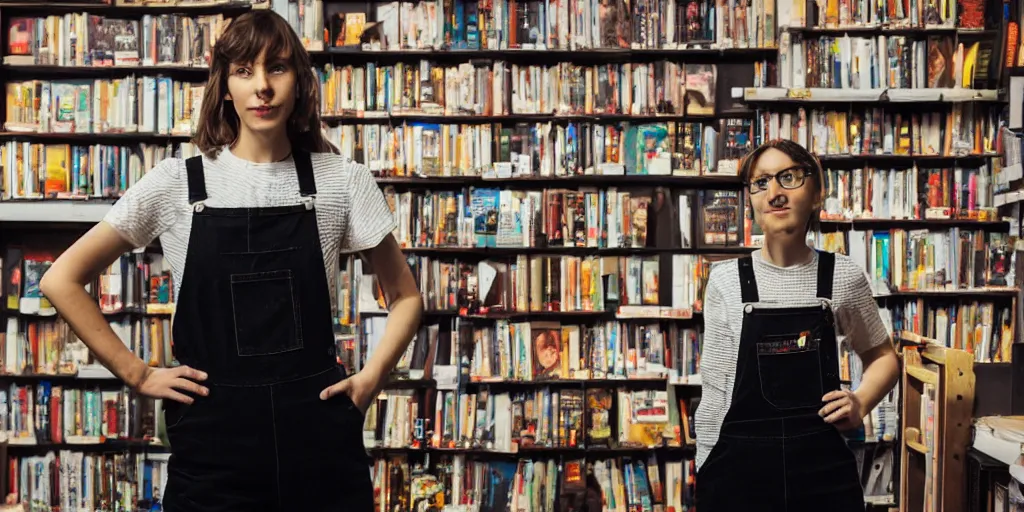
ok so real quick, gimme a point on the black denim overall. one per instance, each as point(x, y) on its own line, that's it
point(774, 453)
point(254, 312)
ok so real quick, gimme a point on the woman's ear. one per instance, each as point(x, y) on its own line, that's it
point(819, 201)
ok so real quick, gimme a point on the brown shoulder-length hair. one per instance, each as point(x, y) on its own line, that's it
point(800, 156)
point(246, 38)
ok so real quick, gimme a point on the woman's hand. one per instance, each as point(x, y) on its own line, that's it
point(842, 408)
point(163, 382)
point(405, 308)
point(360, 388)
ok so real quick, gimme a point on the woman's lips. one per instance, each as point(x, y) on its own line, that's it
point(262, 111)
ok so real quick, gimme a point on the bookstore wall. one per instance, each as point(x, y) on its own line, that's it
point(563, 174)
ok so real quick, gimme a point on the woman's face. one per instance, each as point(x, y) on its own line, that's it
point(779, 210)
point(263, 94)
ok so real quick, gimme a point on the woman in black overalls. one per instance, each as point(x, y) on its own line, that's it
point(780, 447)
point(259, 415)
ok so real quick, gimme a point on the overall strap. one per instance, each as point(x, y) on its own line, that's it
point(304, 170)
point(826, 266)
point(196, 179)
point(748, 285)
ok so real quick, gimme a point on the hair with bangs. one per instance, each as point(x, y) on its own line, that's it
point(247, 37)
point(799, 155)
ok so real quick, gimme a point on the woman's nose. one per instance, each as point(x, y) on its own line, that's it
point(262, 85)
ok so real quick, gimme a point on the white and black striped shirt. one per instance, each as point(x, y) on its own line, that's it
point(352, 213)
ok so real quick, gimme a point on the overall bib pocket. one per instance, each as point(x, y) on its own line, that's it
point(265, 312)
point(790, 370)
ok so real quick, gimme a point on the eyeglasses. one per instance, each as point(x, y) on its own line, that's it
point(789, 178)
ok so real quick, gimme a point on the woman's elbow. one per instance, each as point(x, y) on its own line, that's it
point(79, 264)
point(55, 283)
point(49, 284)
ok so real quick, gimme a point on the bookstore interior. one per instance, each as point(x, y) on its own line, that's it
point(568, 167)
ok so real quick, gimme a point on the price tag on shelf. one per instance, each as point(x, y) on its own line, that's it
point(800, 94)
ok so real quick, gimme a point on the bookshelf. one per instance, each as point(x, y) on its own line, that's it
point(564, 121)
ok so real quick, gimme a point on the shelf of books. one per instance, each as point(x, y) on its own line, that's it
point(563, 175)
point(905, 105)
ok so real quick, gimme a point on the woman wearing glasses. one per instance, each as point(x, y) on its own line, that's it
point(769, 426)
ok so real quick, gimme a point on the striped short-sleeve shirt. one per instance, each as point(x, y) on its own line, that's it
point(351, 211)
point(858, 323)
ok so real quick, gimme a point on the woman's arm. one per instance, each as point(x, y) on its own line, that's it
point(717, 360)
point(138, 217)
point(881, 371)
point(405, 308)
point(860, 321)
point(64, 286)
point(846, 409)
point(369, 230)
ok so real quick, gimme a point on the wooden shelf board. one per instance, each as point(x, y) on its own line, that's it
point(923, 374)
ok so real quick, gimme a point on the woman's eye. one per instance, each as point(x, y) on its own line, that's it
point(242, 72)
point(761, 182)
point(788, 177)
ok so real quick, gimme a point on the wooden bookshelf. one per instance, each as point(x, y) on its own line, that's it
point(938, 400)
